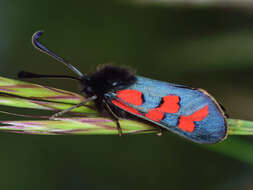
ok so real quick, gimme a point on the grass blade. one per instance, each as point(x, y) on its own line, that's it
point(240, 127)
point(38, 92)
point(76, 126)
point(40, 104)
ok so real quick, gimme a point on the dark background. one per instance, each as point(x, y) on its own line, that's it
point(200, 46)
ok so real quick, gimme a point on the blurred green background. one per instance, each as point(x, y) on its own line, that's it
point(205, 46)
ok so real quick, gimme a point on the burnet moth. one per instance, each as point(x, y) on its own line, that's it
point(189, 112)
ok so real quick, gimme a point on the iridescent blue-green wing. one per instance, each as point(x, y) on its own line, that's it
point(191, 113)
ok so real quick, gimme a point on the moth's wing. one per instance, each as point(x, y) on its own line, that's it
point(191, 113)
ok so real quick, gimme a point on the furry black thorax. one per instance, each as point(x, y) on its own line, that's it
point(106, 79)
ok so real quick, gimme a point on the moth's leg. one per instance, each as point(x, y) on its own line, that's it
point(160, 133)
point(114, 117)
point(73, 107)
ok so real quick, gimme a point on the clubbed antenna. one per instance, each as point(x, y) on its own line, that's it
point(42, 48)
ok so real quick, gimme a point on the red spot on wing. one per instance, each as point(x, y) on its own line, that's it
point(186, 123)
point(155, 114)
point(170, 104)
point(131, 96)
point(126, 107)
point(200, 114)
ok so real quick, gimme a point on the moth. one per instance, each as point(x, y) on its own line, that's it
point(189, 112)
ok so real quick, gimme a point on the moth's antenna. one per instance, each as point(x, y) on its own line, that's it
point(42, 48)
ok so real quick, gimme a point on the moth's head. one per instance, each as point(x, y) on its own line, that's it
point(108, 78)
